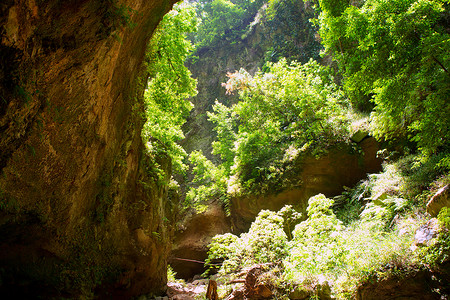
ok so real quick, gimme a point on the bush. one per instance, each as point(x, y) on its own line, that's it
point(265, 242)
point(321, 247)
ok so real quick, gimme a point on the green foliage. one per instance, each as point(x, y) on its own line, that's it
point(321, 247)
point(403, 184)
point(291, 107)
point(444, 217)
point(317, 243)
point(438, 251)
point(265, 242)
point(209, 182)
point(223, 19)
point(291, 33)
point(225, 126)
point(395, 54)
point(170, 83)
point(222, 248)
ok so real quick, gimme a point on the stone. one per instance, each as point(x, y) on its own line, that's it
point(299, 293)
point(425, 233)
point(439, 200)
point(359, 135)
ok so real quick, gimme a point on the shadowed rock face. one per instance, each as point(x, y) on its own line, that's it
point(192, 240)
point(73, 213)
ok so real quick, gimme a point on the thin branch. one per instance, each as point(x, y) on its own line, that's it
point(440, 64)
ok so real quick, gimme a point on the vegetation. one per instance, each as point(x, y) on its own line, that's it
point(393, 56)
point(392, 61)
point(292, 35)
point(392, 70)
point(223, 19)
point(288, 110)
point(370, 245)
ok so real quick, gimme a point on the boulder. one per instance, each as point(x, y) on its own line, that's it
point(426, 232)
point(439, 200)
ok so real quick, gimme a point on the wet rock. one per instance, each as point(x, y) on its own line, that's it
point(439, 200)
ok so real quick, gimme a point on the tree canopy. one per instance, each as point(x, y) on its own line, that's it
point(170, 82)
point(394, 55)
point(288, 110)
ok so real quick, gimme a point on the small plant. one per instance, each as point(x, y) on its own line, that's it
point(438, 251)
point(266, 242)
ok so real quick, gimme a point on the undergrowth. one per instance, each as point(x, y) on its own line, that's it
point(365, 234)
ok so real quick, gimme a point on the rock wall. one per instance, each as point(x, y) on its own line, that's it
point(192, 240)
point(80, 208)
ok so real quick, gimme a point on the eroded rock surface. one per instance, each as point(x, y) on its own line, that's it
point(191, 242)
point(439, 200)
point(74, 214)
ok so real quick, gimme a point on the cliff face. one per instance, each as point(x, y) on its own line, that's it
point(79, 205)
